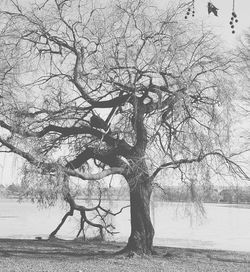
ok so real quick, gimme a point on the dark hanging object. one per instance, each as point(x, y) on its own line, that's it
point(212, 8)
point(98, 122)
point(234, 18)
point(190, 10)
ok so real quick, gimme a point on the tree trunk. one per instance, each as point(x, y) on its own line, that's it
point(142, 231)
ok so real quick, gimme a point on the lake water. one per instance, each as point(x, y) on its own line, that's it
point(223, 226)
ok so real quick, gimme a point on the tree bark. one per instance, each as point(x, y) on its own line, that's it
point(142, 231)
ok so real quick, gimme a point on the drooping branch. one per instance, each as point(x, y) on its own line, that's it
point(51, 167)
point(84, 218)
point(233, 167)
point(69, 213)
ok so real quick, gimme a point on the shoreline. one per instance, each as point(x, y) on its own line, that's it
point(230, 204)
point(75, 255)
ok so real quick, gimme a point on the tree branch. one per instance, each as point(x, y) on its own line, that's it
point(51, 167)
point(107, 157)
point(69, 131)
point(83, 211)
point(234, 167)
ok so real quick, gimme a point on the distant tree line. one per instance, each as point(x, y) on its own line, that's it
point(12, 190)
point(209, 194)
point(232, 194)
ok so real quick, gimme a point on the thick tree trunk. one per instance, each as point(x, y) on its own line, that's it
point(142, 231)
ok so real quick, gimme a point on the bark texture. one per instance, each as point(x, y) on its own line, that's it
point(142, 231)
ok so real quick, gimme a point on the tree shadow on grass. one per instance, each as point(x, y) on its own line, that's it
point(57, 248)
point(89, 250)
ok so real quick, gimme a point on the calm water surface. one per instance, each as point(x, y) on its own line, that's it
point(176, 224)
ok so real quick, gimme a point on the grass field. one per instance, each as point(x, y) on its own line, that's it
point(77, 256)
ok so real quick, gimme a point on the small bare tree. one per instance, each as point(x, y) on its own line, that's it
point(127, 88)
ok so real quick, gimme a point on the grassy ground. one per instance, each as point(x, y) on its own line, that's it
point(77, 256)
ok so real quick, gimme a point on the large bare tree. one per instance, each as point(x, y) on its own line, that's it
point(121, 86)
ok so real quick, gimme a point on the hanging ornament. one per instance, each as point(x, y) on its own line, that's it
point(212, 8)
point(190, 10)
point(234, 18)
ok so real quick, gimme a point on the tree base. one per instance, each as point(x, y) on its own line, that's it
point(131, 252)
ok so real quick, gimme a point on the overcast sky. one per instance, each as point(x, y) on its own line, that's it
point(220, 24)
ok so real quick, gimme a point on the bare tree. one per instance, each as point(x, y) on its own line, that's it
point(126, 88)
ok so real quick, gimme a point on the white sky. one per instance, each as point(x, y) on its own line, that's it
point(220, 24)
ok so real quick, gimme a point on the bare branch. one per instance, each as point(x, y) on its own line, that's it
point(233, 167)
point(50, 167)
